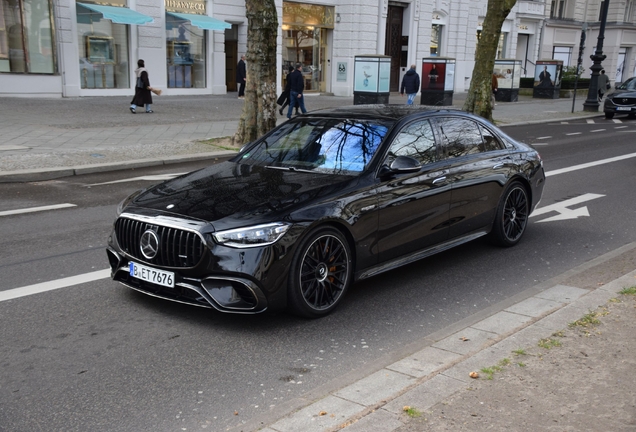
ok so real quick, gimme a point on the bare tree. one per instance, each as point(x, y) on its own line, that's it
point(478, 100)
point(259, 112)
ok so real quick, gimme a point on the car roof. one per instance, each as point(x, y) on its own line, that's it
point(380, 111)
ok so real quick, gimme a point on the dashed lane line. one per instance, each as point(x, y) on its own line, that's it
point(53, 285)
point(574, 133)
point(598, 130)
point(36, 209)
point(589, 164)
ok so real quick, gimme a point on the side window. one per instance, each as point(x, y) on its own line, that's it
point(491, 142)
point(460, 136)
point(417, 141)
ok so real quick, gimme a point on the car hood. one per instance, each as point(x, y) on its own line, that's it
point(230, 194)
point(622, 93)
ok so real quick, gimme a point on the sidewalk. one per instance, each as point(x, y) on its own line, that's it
point(52, 138)
point(45, 139)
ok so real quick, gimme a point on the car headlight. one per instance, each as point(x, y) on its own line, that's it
point(259, 235)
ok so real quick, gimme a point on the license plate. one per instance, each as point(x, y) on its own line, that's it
point(149, 274)
point(623, 108)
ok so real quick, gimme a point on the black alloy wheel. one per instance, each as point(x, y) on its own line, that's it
point(512, 216)
point(320, 274)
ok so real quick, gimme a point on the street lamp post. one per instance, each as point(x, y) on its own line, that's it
point(591, 103)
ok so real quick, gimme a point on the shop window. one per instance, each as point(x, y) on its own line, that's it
point(103, 51)
point(185, 54)
point(26, 46)
point(501, 46)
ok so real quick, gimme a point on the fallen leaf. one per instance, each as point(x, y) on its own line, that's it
point(322, 413)
point(235, 412)
point(473, 374)
point(406, 408)
point(463, 339)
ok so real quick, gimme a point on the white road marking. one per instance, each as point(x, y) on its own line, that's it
point(598, 130)
point(574, 133)
point(620, 127)
point(53, 285)
point(590, 121)
point(545, 137)
point(36, 209)
point(564, 211)
point(565, 122)
point(589, 165)
point(539, 144)
point(628, 131)
point(158, 177)
point(617, 121)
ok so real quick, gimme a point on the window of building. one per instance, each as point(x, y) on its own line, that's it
point(501, 46)
point(629, 11)
point(436, 39)
point(622, 57)
point(103, 51)
point(185, 53)
point(26, 41)
point(563, 53)
point(557, 9)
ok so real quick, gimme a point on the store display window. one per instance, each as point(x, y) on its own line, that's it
point(185, 53)
point(26, 37)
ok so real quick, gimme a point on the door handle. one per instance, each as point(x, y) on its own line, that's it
point(499, 165)
point(439, 180)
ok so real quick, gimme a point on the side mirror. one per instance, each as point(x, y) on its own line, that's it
point(401, 165)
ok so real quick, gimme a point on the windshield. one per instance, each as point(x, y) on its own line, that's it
point(630, 84)
point(325, 145)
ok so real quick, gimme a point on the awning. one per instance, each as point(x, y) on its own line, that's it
point(202, 21)
point(119, 15)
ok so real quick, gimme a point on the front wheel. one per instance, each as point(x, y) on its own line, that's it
point(512, 216)
point(320, 274)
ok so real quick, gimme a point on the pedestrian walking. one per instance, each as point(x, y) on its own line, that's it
point(410, 85)
point(283, 99)
point(241, 76)
point(495, 89)
point(603, 85)
point(143, 95)
point(296, 98)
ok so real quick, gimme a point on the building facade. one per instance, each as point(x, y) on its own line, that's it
point(76, 48)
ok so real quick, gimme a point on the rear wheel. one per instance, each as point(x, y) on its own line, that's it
point(609, 115)
point(512, 216)
point(320, 274)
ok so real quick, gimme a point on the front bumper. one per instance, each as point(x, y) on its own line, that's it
point(221, 292)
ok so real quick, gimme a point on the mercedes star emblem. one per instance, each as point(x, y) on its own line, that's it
point(149, 244)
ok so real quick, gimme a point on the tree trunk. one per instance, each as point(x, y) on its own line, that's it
point(479, 95)
point(259, 111)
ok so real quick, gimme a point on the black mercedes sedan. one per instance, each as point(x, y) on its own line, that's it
point(622, 100)
point(323, 200)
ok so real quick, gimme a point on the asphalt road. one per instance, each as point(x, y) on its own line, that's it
point(97, 356)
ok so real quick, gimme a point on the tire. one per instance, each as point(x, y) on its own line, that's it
point(609, 115)
point(512, 216)
point(320, 274)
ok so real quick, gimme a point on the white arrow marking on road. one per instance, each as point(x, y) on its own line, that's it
point(158, 177)
point(53, 285)
point(36, 209)
point(564, 211)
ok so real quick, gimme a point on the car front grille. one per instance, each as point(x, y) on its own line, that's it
point(177, 247)
point(624, 101)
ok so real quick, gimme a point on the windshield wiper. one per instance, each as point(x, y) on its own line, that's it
point(293, 169)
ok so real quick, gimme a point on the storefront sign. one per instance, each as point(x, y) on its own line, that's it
point(303, 14)
point(186, 6)
point(341, 75)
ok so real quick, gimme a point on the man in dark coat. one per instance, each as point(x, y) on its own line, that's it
point(410, 85)
point(143, 96)
point(241, 75)
point(283, 99)
point(296, 90)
